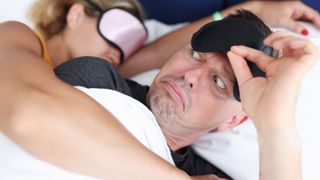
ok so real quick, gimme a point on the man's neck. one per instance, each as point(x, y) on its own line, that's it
point(177, 142)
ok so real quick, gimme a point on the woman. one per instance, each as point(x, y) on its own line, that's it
point(68, 29)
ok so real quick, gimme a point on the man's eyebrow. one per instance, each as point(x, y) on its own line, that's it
point(201, 54)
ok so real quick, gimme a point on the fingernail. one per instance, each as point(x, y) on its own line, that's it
point(305, 32)
point(236, 46)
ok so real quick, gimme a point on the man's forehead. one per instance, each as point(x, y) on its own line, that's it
point(219, 61)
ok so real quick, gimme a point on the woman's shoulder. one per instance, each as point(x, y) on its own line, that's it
point(15, 34)
point(15, 26)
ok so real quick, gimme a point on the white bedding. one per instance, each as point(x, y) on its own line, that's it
point(135, 116)
point(234, 151)
point(17, 164)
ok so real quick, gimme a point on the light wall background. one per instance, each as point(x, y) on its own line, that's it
point(15, 10)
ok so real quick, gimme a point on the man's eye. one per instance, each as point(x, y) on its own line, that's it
point(195, 55)
point(218, 81)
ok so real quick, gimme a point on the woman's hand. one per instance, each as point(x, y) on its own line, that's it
point(285, 14)
point(270, 101)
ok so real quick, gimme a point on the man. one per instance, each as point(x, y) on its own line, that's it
point(184, 122)
point(193, 94)
point(174, 97)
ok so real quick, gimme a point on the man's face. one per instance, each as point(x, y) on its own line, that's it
point(193, 93)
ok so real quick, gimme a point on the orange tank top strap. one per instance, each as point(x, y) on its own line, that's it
point(45, 52)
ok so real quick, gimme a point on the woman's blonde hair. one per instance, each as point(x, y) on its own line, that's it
point(49, 16)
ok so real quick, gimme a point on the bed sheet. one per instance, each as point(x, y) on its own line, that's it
point(17, 164)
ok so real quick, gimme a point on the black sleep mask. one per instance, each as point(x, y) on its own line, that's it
point(221, 35)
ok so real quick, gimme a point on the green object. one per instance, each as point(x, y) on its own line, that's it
point(216, 16)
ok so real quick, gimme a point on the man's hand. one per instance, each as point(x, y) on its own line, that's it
point(270, 101)
point(286, 14)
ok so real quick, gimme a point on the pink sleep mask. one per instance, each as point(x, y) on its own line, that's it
point(121, 29)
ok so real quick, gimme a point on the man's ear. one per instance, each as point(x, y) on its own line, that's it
point(75, 15)
point(233, 122)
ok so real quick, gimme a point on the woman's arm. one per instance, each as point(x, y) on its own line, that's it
point(61, 125)
point(155, 55)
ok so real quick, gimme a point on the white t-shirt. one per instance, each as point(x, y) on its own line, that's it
point(135, 116)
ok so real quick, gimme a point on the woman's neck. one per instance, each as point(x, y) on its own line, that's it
point(58, 49)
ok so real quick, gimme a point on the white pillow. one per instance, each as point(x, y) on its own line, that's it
point(17, 164)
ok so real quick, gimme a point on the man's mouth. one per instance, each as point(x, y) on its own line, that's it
point(177, 93)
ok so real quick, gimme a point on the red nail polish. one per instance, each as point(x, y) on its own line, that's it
point(305, 32)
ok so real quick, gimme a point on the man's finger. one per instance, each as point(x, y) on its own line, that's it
point(281, 42)
point(276, 35)
point(308, 48)
point(259, 58)
point(240, 68)
point(295, 44)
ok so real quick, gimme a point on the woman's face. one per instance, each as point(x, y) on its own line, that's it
point(85, 40)
point(89, 43)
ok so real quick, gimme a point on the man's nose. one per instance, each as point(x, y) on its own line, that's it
point(193, 76)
